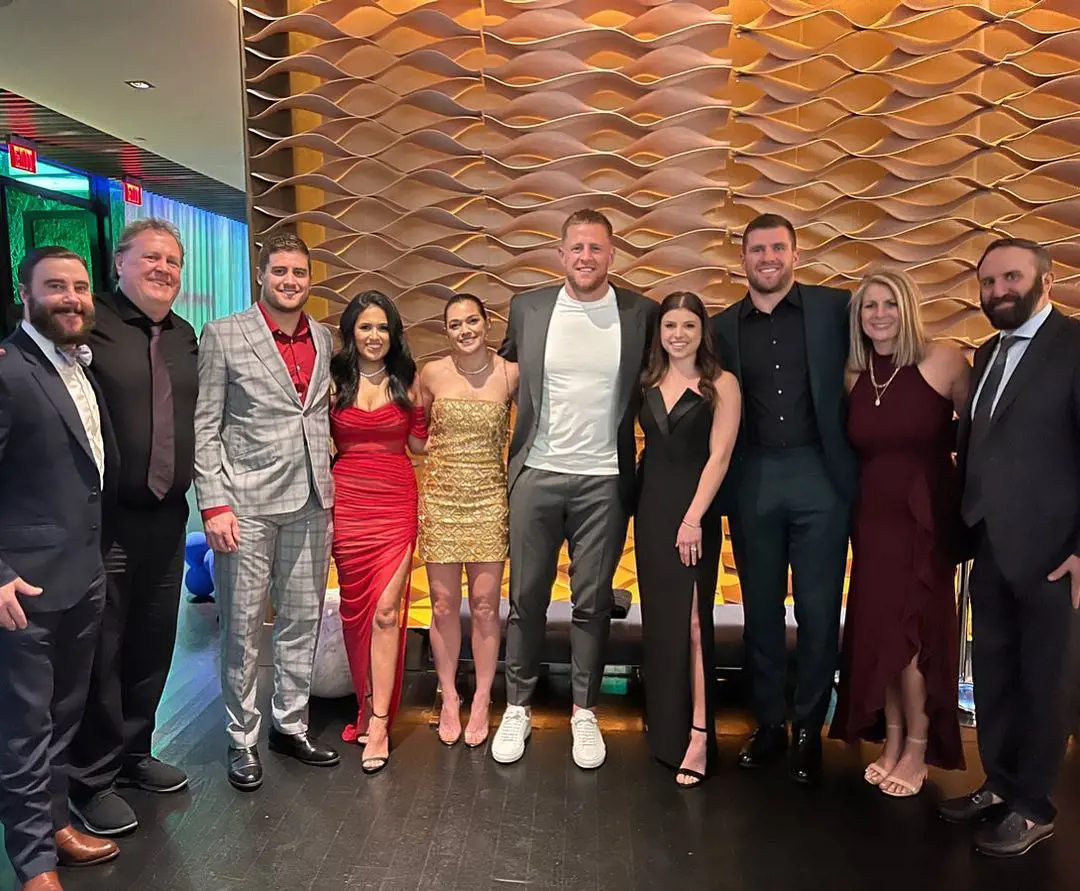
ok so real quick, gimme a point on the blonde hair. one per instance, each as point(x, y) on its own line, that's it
point(912, 340)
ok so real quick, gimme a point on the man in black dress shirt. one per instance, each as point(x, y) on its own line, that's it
point(145, 361)
point(790, 486)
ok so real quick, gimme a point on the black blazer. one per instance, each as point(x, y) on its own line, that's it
point(525, 343)
point(51, 500)
point(1031, 478)
point(825, 320)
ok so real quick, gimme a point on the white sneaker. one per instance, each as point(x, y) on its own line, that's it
point(589, 748)
point(515, 727)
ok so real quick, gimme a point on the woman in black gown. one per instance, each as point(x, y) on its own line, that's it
point(690, 416)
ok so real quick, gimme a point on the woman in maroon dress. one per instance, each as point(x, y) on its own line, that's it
point(376, 412)
point(899, 667)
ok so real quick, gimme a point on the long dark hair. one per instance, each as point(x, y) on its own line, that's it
point(707, 362)
point(345, 365)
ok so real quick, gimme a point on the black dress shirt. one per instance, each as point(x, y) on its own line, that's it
point(121, 366)
point(775, 377)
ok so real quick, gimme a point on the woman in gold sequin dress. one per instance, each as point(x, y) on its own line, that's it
point(463, 508)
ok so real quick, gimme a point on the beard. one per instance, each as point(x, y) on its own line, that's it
point(1012, 316)
point(48, 323)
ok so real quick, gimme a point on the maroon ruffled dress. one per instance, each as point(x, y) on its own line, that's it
point(902, 602)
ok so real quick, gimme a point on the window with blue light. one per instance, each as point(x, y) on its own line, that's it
point(48, 176)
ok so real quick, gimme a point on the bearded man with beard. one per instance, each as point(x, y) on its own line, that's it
point(1019, 456)
point(789, 488)
point(56, 457)
point(581, 348)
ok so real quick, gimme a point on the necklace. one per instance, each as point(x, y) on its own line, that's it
point(879, 391)
point(373, 374)
point(471, 374)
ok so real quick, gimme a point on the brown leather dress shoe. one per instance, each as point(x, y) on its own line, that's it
point(46, 881)
point(74, 848)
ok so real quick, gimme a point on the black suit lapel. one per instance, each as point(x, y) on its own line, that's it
point(631, 349)
point(1033, 359)
point(48, 378)
point(814, 336)
point(656, 405)
point(982, 358)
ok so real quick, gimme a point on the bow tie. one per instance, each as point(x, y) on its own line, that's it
point(81, 354)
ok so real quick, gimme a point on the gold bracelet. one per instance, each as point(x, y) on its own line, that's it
point(690, 525)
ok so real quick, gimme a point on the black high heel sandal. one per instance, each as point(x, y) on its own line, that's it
point(377, 762)
point(361, 738)
point(698, 778)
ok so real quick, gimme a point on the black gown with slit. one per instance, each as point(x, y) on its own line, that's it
point(676, 450)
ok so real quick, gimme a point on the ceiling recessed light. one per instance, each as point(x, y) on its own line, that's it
point(140, 84)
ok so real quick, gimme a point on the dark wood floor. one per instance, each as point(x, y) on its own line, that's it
point(452, 818)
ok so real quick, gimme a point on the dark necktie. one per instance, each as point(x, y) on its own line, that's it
point(980, 424)
point(162, 439)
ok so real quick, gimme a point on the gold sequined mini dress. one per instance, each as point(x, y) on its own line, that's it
point(463, 508)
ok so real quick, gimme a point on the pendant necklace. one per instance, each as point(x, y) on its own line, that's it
point(879, 391)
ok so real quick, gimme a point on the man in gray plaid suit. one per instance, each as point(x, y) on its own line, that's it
point(262, 476)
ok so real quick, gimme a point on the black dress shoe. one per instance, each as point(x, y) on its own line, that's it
point(1011, 836)
point(979, 805)
point(301, 747)
point(765, 746)
point(805, 765)
point(245, 769)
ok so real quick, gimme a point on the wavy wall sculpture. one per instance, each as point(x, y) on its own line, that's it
point(426, 148)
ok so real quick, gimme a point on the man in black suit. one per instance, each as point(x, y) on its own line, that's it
point(1019, 452)
point(789, 489)
point(55, 451)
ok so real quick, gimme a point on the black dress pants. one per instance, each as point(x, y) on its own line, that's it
point(144, 566)
point(1022, 643)
point(44, 673)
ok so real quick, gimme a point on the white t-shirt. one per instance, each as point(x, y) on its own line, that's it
point(577, 429)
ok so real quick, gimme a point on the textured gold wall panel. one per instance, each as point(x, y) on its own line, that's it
point(911, 133)
point(425, 148)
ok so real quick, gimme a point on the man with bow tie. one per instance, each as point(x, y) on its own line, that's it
point(56, 456)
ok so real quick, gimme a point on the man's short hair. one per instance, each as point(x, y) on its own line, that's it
point(770, 221)
point(1043, 261)
point(587, 217)
point(282, 241)
point(148, 224)
point(38, 255)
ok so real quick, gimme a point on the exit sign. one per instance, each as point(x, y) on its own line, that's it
point(132, 192)
point(22, 154)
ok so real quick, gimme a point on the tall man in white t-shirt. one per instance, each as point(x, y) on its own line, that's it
point(581, 348)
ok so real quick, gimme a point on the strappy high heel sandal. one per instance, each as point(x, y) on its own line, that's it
point(352, 732)
point(447, 741)
point(875, 774)
point(696, 776)
point(908, 789)
point(376, 763)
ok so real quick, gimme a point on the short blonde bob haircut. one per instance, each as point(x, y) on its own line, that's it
point(912, 341)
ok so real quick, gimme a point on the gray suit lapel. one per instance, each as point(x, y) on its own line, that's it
point(257, 333)
point(320, 376)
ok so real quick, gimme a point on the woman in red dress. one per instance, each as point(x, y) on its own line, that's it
point(899, 667)
point(376, 412)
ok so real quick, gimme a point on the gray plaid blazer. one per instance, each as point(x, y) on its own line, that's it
point(257, 449)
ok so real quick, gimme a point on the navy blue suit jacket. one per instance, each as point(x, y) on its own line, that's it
point(51, 497)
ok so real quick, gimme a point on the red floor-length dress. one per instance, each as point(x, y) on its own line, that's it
point(902, 600)
point(374, 526)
